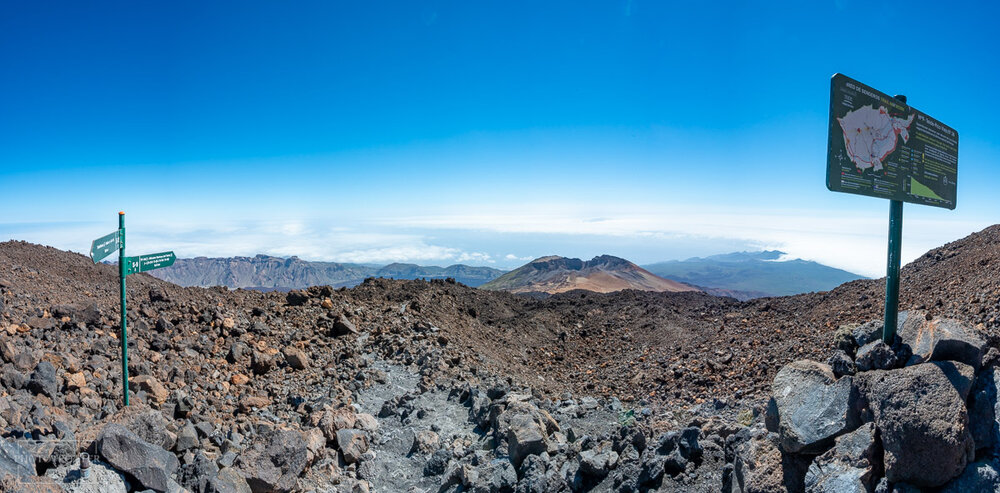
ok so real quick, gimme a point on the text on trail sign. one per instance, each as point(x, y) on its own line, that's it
point(104, 246)
point(881, 147)
point(152, 261)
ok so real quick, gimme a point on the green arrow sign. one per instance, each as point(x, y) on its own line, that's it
point(152, 261)
point(104, 246)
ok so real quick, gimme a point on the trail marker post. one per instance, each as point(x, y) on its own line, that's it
point(103, 247)
point(881, 147)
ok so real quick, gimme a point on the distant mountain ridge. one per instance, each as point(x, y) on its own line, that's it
point(275, 273)
point(602, 274)
point(745, 275)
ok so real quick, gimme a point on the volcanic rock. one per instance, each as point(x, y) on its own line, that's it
point(274, 461)
point(923, 422)
point(812, 406)
point(149, 465)
point(352, 444)
point(852, 465)
point(940, 339)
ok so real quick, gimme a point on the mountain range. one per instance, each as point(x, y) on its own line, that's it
point(745, 275)
point(602, 274)
point(264, 272)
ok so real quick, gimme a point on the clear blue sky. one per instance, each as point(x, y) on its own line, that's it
point(480, 132)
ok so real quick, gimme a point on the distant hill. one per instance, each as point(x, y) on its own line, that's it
point(745, 275)
point(602, 274)
point(267, 273)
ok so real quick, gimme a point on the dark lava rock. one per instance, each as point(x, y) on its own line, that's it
point(922, 420)
point(274, 462)
point(876, 355)
point(297, 297)
point(342, 327)
point(984, 410)
point(15, 460)
point(43, 380)
point(842, 364)
point(148, 465)
point(852, 465)
point(812, 406)
point(437, 463)
point(983, 476)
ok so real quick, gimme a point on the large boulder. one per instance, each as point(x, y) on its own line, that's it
point(853, 465)
point(148, 465)
point(940, 339)
point(43, 380)
point(273, 463)
point(524, 437)
point(352, 444)
point(923, 422)
point(812, 406)
point(15, 460)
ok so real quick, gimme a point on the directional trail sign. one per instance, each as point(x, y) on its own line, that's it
point(881, 147)
point(104, 246)
point(152, 261)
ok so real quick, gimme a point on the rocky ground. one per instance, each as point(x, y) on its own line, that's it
point(416, 386)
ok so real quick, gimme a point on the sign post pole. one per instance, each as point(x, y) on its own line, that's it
point(892, 271)
point(122, 273)
point(892, 265)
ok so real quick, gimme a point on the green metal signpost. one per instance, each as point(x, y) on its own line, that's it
point(104, 246)
point(881, 147)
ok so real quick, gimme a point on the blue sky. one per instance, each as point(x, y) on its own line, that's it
point(478, 132)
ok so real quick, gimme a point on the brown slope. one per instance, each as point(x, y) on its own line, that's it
point(603, 274)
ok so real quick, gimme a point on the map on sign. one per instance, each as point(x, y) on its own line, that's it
point(879, 146)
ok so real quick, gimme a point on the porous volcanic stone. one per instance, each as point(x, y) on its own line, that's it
point(524, 437)
point(812, 406)
point(922, 420)
point(940, 339)
point(352, 444)
point(15, 460)
point(274, 461)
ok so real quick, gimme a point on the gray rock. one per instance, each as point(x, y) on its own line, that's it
point(352, 443)
point(15, 460)
point(982, 476)
point(984, 410)
point(525, 437)
point(923, 423)
point(151, 427)
point(102, 478)
point(876, 355)
point(149, 465)
point(228, 480)
point(852, 465)
point(274, 461)
point(43, 380)
point(187, 438)
point(760, 467)
point(812, 406)
point(869, 332)
point(940, 339)
point(497, 476)
point(437, 463)
point(596, 464)
point(842, 364)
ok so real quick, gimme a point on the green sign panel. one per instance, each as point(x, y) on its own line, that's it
point(881, 147)
point(104, 246)
point(152, 261)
